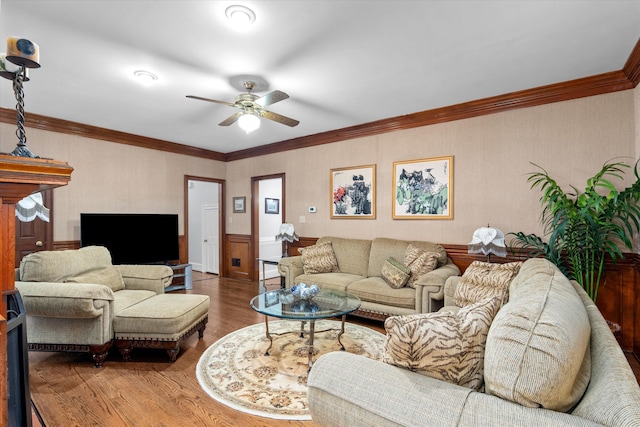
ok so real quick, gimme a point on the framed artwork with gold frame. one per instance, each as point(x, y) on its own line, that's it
point(353, 192)
point(423, 188)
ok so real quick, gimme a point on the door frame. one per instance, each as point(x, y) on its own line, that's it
point(221, 222)
point(255, 215)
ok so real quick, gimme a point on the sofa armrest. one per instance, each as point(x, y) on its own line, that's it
point(350, 390)
point(290, 268)
point(64, 300)
point(153, 278)
point(430, 287)
point(450, 290)
point(346, 389)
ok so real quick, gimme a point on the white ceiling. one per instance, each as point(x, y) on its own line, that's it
point(343, 63)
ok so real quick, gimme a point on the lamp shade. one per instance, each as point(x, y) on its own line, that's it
point(286, 233)
point(31, 207)
point(488, 240)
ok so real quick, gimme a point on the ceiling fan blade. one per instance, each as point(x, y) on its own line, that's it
point(279, 118)
point(211, 100)
point(271, 98)
point(231, 119)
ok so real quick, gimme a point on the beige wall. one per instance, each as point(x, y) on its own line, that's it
point(571, 140)
point(111, 177)
point(491, 160)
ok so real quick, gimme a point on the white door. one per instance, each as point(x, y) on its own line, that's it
point(210, 240)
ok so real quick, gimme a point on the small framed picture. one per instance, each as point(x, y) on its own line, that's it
point(239, 204)
point(423, 189)
point(271, 206)
point(353, 192)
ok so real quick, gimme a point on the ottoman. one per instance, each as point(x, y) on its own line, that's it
point(161, 321)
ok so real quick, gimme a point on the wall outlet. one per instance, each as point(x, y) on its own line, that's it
point(235, 262)
point(312, 209)
point(301, 219)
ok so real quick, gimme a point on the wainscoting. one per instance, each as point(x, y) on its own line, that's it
point(618, 300)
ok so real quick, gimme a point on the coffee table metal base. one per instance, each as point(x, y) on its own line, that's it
point(312, 326)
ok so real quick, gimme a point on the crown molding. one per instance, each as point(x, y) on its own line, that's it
point(627, 78)
point(52, 124)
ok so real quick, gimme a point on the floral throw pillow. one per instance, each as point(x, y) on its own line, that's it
point(319, 258)
point(395, 273)
point(419, 262)
point(484, 280)
point(443, 345)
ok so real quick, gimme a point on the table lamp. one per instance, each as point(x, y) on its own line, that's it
point(487, 241)
point(287, 234)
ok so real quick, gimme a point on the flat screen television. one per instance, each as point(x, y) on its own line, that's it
point(133, 238)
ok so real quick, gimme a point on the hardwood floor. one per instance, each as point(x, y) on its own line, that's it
point(148, 391)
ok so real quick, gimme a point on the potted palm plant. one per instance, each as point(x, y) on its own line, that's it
point(584, 228)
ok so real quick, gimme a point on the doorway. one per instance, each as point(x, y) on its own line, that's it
point(267, 214)
point(203, 226)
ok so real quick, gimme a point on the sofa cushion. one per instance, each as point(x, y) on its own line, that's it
point(56, 266)
point(395, 273)
point(383, 248)
point(109, 276)
point(376, 290)
point(319, 258)
point(484, 280)
point(338, 280)
point(352, 254)
point(444, 345)
point(537, 351)
point(419, 262)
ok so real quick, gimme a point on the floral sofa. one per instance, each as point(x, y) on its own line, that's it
point(543, 356)
point(368, 269)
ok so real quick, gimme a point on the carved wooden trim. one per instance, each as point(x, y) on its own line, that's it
point(580, 88)
point(614, 81)
point(632, 66)
point(52, 124)
point(171, 346)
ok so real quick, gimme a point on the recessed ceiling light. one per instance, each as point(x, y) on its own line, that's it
point(145, 77)
point(240, 16)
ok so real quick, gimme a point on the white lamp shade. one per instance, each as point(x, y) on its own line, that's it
point(249, 122)
point(287, 233)
point(31, 207)
point(488, 240)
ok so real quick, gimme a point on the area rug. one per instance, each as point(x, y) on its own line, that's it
point(236, 372)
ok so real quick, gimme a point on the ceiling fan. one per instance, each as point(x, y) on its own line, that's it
point(252, 107)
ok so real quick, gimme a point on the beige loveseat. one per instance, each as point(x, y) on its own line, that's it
point(548, 347)
point(360, 264)
point(71, 297)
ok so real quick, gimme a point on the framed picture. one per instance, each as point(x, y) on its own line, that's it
point(353, 192)
point(423, 189)
point(239, 204)
point(271, 206)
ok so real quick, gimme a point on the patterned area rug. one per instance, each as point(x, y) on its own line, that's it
point(236, 372)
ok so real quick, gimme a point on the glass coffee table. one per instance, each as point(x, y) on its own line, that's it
point(283, 304)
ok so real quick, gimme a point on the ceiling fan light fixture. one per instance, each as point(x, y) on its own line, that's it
point(240, 16)
point(249, 122)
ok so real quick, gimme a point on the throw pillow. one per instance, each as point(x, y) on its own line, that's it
point(485, 280)
point(109, 276)
point(443, 345)
point(395, 273)
point(319, 258)
point(419, 262)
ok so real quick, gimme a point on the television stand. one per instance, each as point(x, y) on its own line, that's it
point(184, 278)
